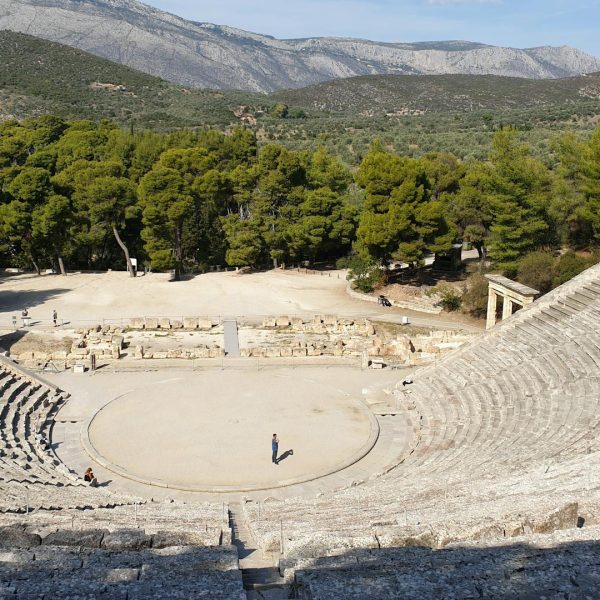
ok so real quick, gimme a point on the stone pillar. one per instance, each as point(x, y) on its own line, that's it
point(491, 309)
point(507, 308)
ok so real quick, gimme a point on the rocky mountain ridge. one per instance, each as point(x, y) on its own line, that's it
point(220, 57)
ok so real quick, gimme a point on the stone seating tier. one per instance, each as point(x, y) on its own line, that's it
point(121, 563)
point(561, 565)
point(499, 419)
point(31, 476)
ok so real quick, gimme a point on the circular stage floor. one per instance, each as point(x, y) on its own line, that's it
point(211, 431)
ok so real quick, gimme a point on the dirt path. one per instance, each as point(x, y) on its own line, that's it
point(89, 298)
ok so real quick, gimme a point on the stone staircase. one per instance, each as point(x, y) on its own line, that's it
point(259, 571)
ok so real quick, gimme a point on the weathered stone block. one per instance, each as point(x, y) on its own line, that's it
point(137, 323)
point(176, 324)
point(160, 355)
point(118, 340)
point(201, 352)
point(282, 322)
point(299, 352)
point(123, 539)
point(166, 539)
point(174, 353)
point(79, 352)
point(190, 323)
point(272, 352)
point(564, 517)
point(205, 324)
point(164, 323)
point(286, 351)
point(84, 538)
point(138, 352)
point(15, 536)
point(151, 323)
point(297, 324)
point(216, 352)
point(270, 322)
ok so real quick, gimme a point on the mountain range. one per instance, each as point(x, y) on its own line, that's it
point(219, 57)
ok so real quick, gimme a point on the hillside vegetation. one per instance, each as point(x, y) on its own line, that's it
point(411, 115)
point(38, 77)
point(416, 94)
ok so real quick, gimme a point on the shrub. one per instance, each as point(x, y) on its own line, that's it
point(536, 270)
point(366, 274)
point(474, 300)
point(450, 298)
point(569, 265)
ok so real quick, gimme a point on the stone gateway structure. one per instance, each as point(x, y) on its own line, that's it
point(484, 482)
point(511, 292)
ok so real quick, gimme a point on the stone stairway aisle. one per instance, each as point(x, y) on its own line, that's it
point(260, 576)
point(232, 342)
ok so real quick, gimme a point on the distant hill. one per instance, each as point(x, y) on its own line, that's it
point(220, 57)
point(416, 94)
point(37, 76)
point(412, 114)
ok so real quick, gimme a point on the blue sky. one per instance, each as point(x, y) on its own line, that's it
point(518, 23)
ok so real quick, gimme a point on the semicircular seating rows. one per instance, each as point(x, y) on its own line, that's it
point(62, 539)
point(506, 442)
point(31, 476)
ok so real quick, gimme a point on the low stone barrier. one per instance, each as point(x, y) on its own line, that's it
point(164, 323)
point(417, 307)
point(321, 324)
point(181, 353)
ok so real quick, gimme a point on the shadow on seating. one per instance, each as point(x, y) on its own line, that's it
point(519, 570)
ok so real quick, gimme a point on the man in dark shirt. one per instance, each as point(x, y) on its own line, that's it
point(275, 448)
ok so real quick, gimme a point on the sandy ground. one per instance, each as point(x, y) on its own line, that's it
point(215, 429)
point(214, 426)
point(86, 298)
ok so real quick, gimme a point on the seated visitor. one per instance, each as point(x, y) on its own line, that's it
point(90, 478)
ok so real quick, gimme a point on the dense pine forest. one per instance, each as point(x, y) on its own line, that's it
point(86, 195)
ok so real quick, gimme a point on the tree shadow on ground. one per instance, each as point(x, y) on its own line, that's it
point(15, 301)
point(8, 340)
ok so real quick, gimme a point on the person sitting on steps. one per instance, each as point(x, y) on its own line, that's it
point(90, 478)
